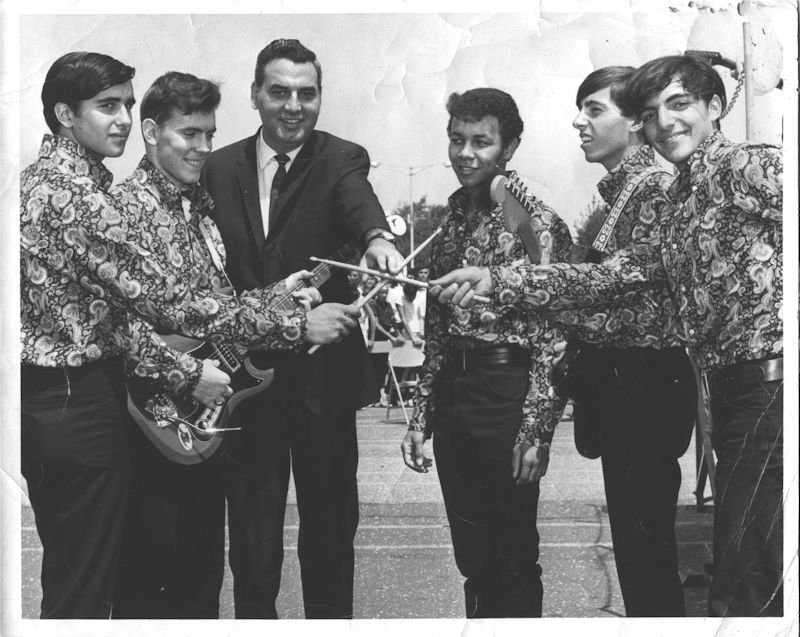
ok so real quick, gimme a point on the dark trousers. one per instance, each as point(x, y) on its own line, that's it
point(642, 411)
point(76, 465)
point(282, 432)
point(492, 521)
point(748, 507)
point(173, 554)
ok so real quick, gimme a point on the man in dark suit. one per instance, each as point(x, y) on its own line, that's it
point(287, 193)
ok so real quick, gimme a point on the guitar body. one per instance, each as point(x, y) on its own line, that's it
point(176, 425)
point(186, 431)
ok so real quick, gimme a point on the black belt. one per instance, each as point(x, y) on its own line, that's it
point(748, 373)
point(465, 359)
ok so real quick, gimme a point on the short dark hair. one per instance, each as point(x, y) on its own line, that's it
point(182, 92)
point(79, 76)
point(477, 103)
point(614, 78)
point(284, 49)
point(696, 75)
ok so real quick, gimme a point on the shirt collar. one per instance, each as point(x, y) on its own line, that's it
point(78, 159)
point(266, 153)
point(459, 201)
point(170, 195)
point(698, 163)
point(614, 181)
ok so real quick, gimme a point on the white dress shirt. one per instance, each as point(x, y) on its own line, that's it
point(267, 167)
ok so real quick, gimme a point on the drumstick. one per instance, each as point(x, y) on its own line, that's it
point(381, 283)
point(389, 277)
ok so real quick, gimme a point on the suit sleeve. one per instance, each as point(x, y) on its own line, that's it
point(355, 197)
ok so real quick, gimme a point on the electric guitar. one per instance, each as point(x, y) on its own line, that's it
point(512, 195)
point(186, 431)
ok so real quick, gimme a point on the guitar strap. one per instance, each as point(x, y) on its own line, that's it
point(214, 254)
point(604, 235)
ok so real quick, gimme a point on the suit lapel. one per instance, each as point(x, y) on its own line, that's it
point(247, 172)
point(298, 172)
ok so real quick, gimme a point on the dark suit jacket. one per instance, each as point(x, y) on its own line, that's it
point(325, 201)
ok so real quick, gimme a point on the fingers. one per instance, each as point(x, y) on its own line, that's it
point(412, 450)
point(516, 461)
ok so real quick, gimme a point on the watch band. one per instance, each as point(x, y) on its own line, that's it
point(379, 232)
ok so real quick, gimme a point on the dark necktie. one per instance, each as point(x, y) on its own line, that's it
point(277, 180)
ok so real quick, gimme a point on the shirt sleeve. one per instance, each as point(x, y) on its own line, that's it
point(756, 172)
point(435, 342)
point(542, 409)
point(90, 242)
point(148, 357)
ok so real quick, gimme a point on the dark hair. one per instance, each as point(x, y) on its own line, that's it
point(612, 77)
point(79, 76)
point(180, 92)
point(477, 103)
point(695, 74)
point(290, 50)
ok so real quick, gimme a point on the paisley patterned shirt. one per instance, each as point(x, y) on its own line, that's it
point(482, 239)
point(84, 269)
point(623, 301)
point(722, 248)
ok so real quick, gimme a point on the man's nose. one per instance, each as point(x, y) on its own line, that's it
point(292, 104)
point(664, 117)
point(579, 122)
point(466, 150)
point(124, 119)
point(204, 145)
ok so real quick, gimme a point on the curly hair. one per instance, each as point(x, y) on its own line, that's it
point(477, 103)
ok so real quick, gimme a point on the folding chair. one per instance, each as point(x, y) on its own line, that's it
point(404, 357)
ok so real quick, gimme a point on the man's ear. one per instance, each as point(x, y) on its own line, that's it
point(63, 114)
point(636, 126)
point(150, 132)
point(253, 91)
point(508, 151)
point(715, 108)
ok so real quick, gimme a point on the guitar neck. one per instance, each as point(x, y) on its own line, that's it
point(319, 276)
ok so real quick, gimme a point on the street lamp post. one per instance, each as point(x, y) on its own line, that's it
point(411, 171)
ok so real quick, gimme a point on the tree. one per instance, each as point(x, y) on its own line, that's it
point(427, 217)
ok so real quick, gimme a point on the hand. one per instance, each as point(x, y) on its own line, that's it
point(398, 341)
point(330, 322)
point(460, 286)
point(417, 341)
point(213, 387)
point(307, 298)
point(382, 255)
point(297, 279)
point(411, 448)
point(529, 462)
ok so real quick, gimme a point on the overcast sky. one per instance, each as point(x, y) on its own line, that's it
point(386, 77)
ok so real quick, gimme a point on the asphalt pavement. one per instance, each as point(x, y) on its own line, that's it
point(404, 559)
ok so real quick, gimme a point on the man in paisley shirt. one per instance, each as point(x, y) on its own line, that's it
point(84, 271)
point(484, 393)
point(638, 401)
point(722, 249)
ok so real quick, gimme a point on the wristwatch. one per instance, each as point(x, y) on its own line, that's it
point(376, 233)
